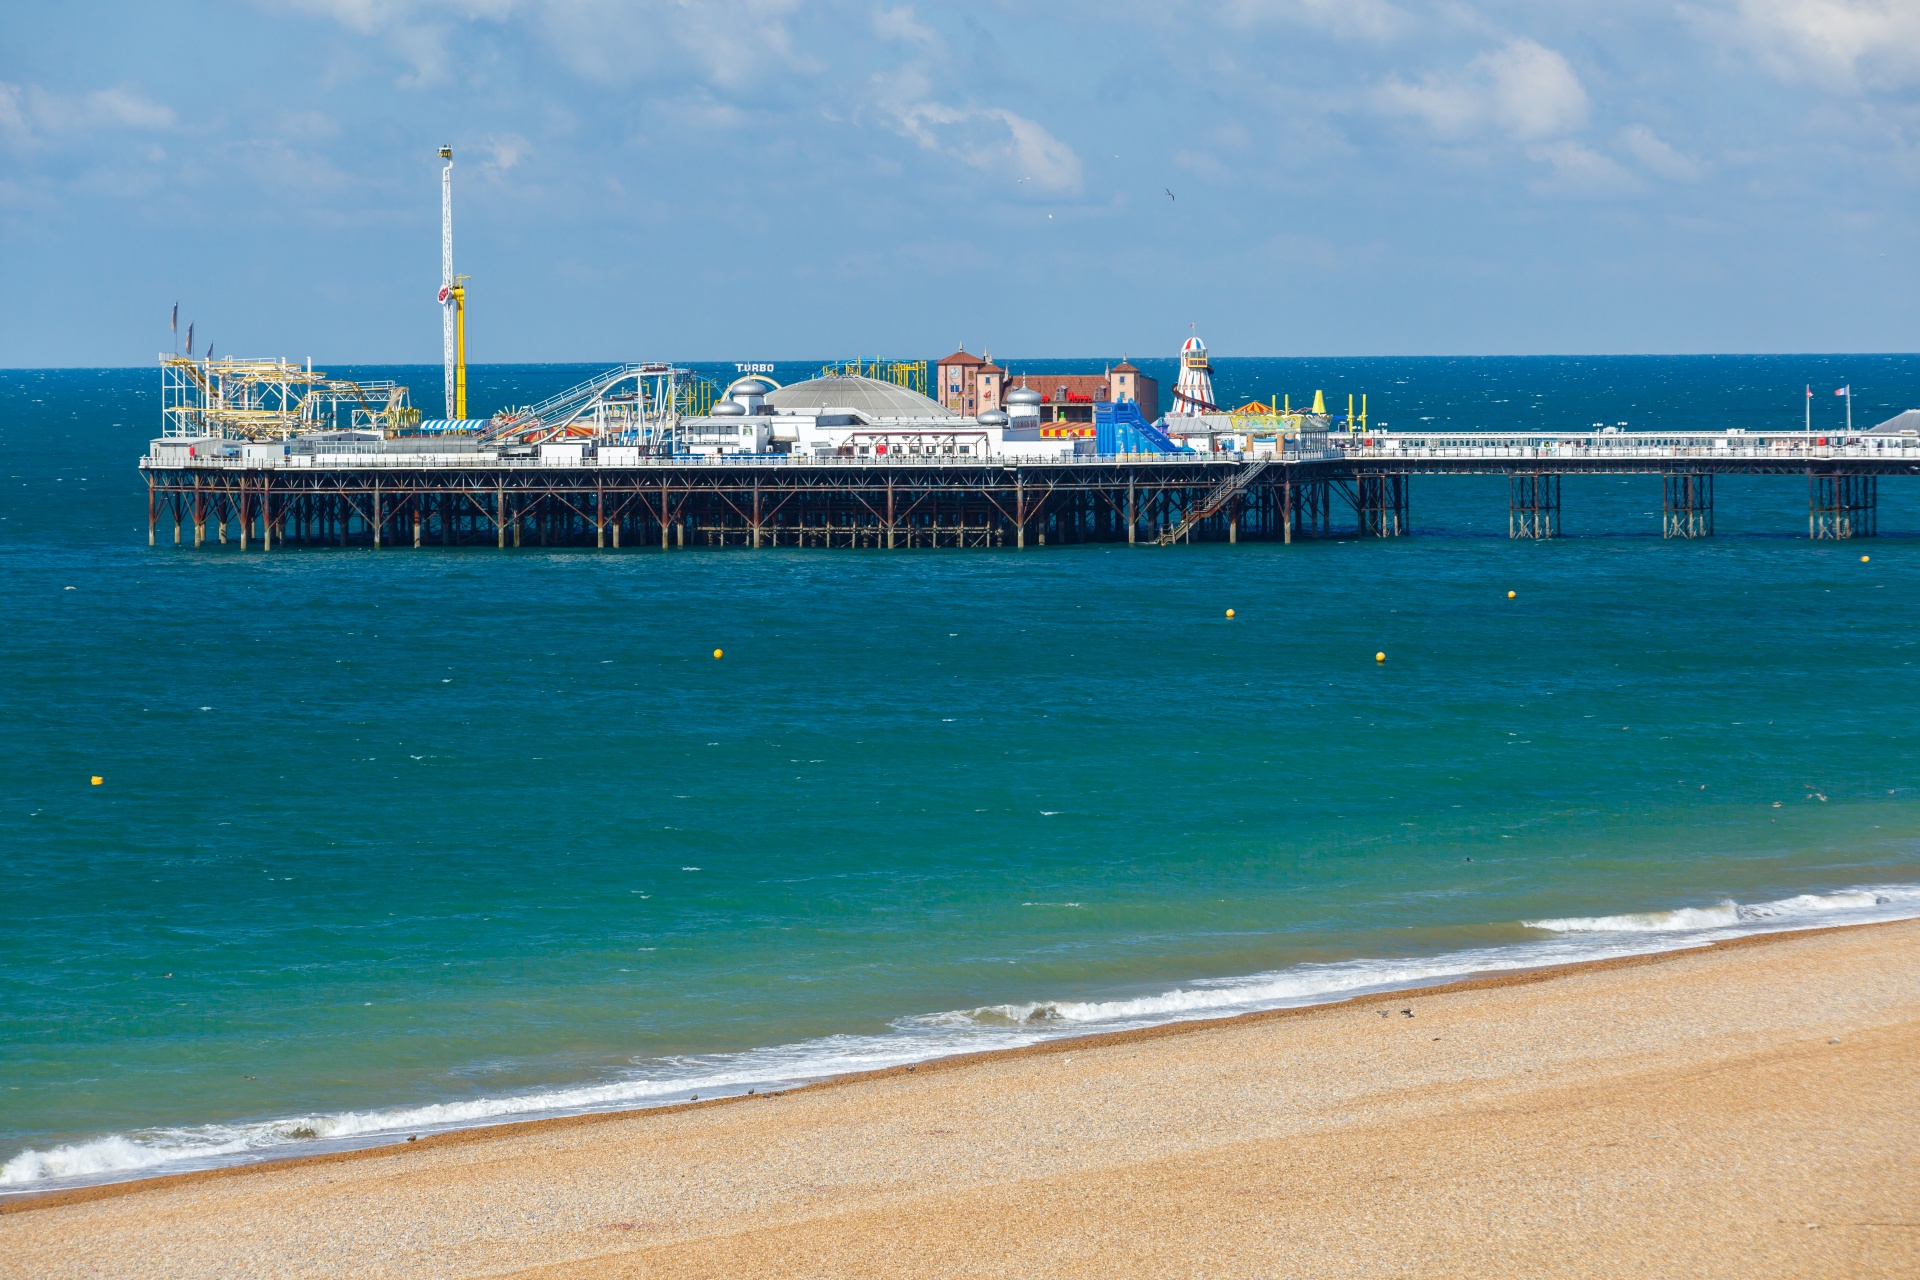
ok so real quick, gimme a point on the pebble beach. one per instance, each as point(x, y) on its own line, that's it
point(1746, 1109)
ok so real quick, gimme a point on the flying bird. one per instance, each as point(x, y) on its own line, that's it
point(1170, 194)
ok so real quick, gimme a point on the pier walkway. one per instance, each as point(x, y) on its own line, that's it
point(459, 492)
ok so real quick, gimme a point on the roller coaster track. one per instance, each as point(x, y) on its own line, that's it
point(552, 416)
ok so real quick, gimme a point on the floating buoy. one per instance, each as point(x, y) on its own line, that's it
point(97, 779)
point(1229, 613)
point(1379, 657)
point(1863, 560)
point(1510, 595)
point(717, 653)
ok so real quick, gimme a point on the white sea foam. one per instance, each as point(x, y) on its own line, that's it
point(915, 1039)
point(1797, 911)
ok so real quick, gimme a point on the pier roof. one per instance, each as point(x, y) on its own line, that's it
point(870, 396)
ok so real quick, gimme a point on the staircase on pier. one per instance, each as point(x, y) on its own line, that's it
point(1229, 489)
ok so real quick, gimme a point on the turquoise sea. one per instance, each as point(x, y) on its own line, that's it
point(402, 840)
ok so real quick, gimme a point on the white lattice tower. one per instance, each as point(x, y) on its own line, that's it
point(446, 271)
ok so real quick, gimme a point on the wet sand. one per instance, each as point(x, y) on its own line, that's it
point(1748, 1110)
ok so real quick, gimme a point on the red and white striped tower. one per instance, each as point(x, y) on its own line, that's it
point(1194, 392)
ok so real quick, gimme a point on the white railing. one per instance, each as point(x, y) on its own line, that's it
point(471, 462)
point(1486, 448)
point(1604, 453)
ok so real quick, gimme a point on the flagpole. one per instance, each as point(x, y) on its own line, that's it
point(1809, 408)
point(1849, 408)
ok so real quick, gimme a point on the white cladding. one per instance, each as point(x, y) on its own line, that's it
point(717, 437)
point(815, 434)
point(846, 434)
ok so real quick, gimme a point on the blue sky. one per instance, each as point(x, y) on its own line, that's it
point(771, 179)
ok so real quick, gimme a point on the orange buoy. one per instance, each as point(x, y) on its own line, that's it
point(717, 653)
point(1379, 657)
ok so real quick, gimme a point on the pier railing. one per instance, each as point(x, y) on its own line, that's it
point(487, 461)
point(1378, 451)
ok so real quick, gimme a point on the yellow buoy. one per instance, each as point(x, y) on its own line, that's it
point(97, 779)
point(1379, 657)
point(717, 653)
point(1509, 595)
point(1864, 559)
point(1229, 613)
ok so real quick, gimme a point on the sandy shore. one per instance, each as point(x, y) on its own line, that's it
point(1750, 1110)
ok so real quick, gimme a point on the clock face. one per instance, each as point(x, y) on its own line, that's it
point(444, 293)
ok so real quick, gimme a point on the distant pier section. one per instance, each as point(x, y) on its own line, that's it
point(268, 454)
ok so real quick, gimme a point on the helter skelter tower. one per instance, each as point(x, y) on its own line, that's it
point(1193, 393)
point(453, 301)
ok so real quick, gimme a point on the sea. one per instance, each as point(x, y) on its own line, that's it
point(392, 842)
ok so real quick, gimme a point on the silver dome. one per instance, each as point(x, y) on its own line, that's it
point(868, 396)
point(1025, 395)
point(992, 418)
point(727, 409)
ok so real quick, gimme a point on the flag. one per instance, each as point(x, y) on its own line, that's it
point(189, 337)
point(1844, 391)
point(175, 324)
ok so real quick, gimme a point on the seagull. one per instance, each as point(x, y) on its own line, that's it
point(1170, 194)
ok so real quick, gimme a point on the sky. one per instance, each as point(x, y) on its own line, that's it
point(801, 179)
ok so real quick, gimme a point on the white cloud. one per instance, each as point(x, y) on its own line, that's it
point(13, 115)
point(503, 152)
point(901, 26)
point(123, 106)
point(996, 140)
point(1375, 20)
point(1522, 89)
point(1846, 45)
point(30, 115)
point(619, 42)
point(1656, 156)
point(1575, 167)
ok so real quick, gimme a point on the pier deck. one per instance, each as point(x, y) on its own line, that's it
point(443, 499)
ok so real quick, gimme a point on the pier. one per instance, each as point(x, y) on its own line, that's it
point(454, 494)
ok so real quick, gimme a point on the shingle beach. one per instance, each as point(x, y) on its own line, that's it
point(1752, 1109)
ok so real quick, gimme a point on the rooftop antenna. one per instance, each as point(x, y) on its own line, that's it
point(453, 299)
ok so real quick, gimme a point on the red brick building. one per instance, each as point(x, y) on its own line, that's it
point(970, 385)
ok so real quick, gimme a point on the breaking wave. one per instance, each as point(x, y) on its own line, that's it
point(660, 1081)
point(1798, 911)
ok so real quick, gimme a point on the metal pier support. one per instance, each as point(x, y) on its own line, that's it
point(1380, 502)
point(1686, 505)
point(1842, 506)
point(1533, 505)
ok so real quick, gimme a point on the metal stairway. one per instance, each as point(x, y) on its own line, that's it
point(1228, 489)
